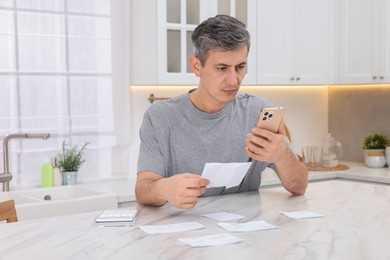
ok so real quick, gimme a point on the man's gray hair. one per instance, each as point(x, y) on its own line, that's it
point(220, 32)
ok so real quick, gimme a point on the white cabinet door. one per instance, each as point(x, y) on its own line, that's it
point(177, 19)
point(384, 40)
point(274, 41)
point(293, 41)
point(312, 39)
point(364, 37)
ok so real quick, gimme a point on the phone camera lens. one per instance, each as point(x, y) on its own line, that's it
point(266, 113)
point(270, 115)
point(264, 118)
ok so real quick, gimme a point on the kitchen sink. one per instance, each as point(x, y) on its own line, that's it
point(58, 201)
point(59, 193)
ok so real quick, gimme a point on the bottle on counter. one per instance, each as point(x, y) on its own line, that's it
point(331, 152)
point(47, 175)
point(57, 176)
point(57, 172)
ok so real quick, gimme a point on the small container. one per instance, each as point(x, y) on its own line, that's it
point(331, 152)
point(312, 155)
point(375, 161)
point(375, 158)
point(57, 176)
point(69, 178)
point(47, 175)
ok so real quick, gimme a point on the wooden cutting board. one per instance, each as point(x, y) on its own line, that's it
point(340, 167)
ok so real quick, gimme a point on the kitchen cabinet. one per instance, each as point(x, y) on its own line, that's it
point(294, 41)
point(290, 40)
point(364, 38)
point(177, 19)
point(161, 44)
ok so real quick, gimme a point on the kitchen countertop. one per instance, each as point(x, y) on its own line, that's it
point(354, 226)
point(124, 188)
point(356, 171)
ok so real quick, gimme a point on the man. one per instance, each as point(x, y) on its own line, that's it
point(212, 123)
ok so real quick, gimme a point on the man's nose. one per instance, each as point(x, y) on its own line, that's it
point(232, 78)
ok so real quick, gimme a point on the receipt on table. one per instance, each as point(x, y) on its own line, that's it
point(248, 226)
point(171, 228)
point(213, 240)
point(301, 214)
point(223, 216)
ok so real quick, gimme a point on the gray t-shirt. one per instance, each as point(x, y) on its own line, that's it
point(176, 137)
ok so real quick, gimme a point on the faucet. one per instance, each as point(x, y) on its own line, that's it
point(6, 176)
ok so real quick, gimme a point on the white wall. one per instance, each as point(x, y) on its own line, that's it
point(144, 51)
point(306, 112)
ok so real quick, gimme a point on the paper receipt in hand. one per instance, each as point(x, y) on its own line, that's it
point(225, 174)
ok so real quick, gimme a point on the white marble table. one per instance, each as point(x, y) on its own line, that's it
point(355, 226)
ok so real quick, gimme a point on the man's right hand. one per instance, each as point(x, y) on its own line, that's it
point(181, 190)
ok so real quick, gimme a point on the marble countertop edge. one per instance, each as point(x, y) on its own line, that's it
point(125, 188)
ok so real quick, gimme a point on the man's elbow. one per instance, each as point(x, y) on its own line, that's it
point(142, 201)
point(298, 189)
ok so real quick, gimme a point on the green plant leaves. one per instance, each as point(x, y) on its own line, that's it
point(375, 141)
point(71, 157)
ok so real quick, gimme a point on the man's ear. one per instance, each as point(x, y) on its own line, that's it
point(195, 65)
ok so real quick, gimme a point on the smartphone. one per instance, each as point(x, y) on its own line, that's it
point(270, 118)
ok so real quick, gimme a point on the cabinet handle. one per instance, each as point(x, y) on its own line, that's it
point(381, 77)
point(292, 78)
point(298, 78)
point(374, 77)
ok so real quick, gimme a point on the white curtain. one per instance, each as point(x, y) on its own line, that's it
point(64, 70)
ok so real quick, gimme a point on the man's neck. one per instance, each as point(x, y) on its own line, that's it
point(205, 103)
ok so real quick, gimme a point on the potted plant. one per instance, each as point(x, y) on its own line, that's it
point(69, 160)
point(374, 150)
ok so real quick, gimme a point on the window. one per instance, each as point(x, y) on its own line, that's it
point(64, 71)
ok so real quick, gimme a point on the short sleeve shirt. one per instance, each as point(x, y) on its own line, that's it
point(176, 138)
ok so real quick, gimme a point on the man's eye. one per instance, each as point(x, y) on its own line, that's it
point(221, 68)
point(241, 67)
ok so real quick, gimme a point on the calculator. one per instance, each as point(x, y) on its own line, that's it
point(118, 217)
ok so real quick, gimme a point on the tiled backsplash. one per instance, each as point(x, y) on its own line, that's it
point(354, 112)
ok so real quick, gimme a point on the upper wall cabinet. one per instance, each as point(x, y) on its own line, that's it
point(294, 39)
point(177, 19)
point(364, 41)
point(292, 42)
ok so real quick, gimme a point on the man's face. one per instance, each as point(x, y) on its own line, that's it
point(221, 76)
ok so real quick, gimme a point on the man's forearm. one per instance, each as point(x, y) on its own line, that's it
point(147, 193)
point(293, 174)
